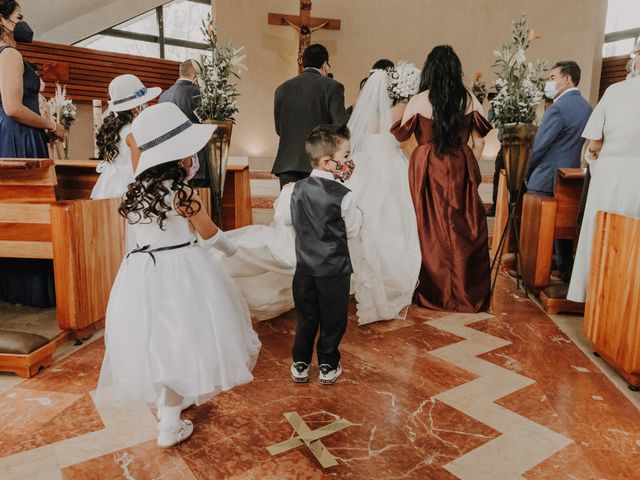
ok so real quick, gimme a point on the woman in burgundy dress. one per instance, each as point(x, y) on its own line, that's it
point(444, 177)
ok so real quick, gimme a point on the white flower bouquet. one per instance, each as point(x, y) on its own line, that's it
point(62, 108)
point(403, 81)
point(519, 85)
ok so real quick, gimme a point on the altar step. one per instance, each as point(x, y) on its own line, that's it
point(265, 189)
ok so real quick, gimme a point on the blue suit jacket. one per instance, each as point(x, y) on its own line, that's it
point(559, 141)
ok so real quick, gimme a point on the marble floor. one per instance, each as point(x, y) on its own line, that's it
point(496, 396)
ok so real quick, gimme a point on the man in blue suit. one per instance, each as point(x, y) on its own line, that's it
point(559, 143)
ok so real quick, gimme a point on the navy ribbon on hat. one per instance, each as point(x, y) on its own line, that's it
point(137, 94)
point(164, 137)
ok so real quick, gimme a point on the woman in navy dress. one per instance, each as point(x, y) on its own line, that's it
point(22, 135)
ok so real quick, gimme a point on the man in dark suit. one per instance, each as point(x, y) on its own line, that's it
point(559, 143)
point(301, 104)
point(185, 93)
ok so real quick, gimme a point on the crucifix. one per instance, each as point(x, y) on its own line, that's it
point(305, 24)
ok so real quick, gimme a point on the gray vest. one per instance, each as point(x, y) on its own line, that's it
point(321, 235)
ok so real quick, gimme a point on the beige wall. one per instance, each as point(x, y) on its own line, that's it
point(397, 29)
point(81, 133)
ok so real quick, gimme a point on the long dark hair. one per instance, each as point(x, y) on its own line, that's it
point(442, 76)
point(108, 137)
point(382, 64)
point(147, 196)
point(7, 7)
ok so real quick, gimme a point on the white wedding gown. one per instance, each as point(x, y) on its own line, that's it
point(385, 256)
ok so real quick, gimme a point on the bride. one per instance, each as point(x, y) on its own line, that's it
point(386, 255)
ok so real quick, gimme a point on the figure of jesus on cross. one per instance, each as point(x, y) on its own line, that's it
point(305, 24)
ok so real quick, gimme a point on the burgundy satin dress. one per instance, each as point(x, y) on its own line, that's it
point(452, 225)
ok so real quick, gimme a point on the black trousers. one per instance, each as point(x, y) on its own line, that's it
point(291, 177)
point(322, 303)
point(496, 175)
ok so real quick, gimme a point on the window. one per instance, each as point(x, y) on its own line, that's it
point(171, 31)
point(622, 27)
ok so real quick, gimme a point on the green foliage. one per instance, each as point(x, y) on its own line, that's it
point(220, 69)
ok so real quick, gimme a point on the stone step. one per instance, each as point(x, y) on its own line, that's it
point(265, 188)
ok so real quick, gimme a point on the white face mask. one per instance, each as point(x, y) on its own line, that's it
point(551, 89)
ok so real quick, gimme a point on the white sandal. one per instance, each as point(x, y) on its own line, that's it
point(170, 436)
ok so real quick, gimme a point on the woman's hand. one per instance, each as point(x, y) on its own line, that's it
point(58, 131)
point(595, 147)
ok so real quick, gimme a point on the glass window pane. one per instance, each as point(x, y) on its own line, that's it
point(622, 15)
point(180, 54)
point(121, 45)
point(145, 23)
point(182, 19)
point(621, 47)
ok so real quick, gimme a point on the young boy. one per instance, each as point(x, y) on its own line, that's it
point(324, 215)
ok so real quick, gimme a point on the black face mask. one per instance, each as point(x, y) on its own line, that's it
point(22, 32)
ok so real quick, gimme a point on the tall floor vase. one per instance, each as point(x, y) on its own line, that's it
point(517, 142)
point(218, 156)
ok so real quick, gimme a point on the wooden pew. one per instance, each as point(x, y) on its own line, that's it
point(612, 312)
point(76, 179)
point(83, 238)
point(545, 219)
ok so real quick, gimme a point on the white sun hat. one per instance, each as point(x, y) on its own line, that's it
point(127, 92)
point(164, 134)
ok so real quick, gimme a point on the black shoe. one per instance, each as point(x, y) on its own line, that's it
point(328, 374)
point(300, 372)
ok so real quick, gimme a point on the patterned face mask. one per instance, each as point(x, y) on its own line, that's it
point(344, 170)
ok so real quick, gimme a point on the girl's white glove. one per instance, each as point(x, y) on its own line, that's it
point(221, 242)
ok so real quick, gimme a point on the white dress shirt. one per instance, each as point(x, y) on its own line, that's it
point(351, 214)
point(566, 91)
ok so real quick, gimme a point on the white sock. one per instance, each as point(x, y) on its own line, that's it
point(170, 417)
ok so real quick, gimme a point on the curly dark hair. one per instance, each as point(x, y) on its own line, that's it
point(442, 76)
point(108, 137)
point(146, 198)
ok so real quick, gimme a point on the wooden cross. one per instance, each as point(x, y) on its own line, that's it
point(310, 438)
point(305, 24)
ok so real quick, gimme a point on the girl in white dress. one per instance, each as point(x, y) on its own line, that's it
point(128, 97)
point(614, 158)
point(176, 325)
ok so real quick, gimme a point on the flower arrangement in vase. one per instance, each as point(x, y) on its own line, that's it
point(520, 89)
point(519, 85)
point(219, 71)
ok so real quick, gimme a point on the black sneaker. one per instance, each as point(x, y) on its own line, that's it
point(300, 372)
point(328, 374)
